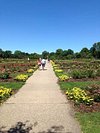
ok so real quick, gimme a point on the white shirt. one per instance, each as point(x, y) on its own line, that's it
point(43, 61)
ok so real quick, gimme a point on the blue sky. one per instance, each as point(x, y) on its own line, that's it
point(38, 25)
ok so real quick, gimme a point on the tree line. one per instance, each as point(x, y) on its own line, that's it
point(93, 52)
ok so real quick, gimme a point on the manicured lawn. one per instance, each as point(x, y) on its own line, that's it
point(13, 85)
point(90, 122)
point(13, 75)
point(70, 85)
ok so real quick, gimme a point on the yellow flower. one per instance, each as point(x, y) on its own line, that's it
point(79, 95)
point(30, 70)
point(5, 92)
point(59, 70)
point(63, 77)
point(21, 77)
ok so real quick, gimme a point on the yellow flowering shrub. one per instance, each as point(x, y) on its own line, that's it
point(5, 92)
point(52, 62)
point(55, 67)
point(21, 77)
point(79, 96)
point(63, 77)
point(58, 70)
point(30, 70)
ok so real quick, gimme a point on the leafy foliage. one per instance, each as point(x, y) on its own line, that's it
point(4, 75)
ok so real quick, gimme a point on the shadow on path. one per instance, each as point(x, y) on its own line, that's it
point(26, 127)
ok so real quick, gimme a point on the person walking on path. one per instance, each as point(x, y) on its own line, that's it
point(43, 63)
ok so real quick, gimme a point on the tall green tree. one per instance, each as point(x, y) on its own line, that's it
point(95, 50)
point(59, 53)
point(34, 56)
point(7, 54)
point(1, 53)
point(45, 54)
point(70, 52)
point(84, 53)
point(52, 56)
point(77, 55)
point(18, 54)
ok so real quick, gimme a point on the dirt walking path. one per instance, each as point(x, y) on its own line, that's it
point(39, 105)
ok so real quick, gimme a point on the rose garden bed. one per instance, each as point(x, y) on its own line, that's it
point(80, 78)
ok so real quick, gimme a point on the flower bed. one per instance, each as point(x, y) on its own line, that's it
point(79, 96)
point(85, 98)
point(63, 77)
point(21, 77)
point(30, 70)
point(5, 93)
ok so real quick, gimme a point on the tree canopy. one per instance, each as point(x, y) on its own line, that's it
point(93, 52)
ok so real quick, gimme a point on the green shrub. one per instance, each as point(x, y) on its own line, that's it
point(90, 73)
point(98, 72)
point(94, 91)
point(4, 75)
point(76, 74)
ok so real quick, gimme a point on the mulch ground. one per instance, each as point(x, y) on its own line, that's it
point(10, 79)
point(88, 108)
point(83, 79)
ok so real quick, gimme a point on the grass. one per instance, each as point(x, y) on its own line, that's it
point(90, 122)
point(13, 85)
point(70, 85)
point(13, 75)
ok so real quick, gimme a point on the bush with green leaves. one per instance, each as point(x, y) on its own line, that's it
point(77, 74)
point(94, 91)
point(4, 75)
point(84, 73)
point(98, 72)
point(90, 73)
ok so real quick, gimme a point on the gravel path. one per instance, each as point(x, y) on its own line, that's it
point(39, 105)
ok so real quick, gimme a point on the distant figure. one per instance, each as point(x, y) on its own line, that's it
point(28, 59)
point(39, 62)
point(43, 62)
